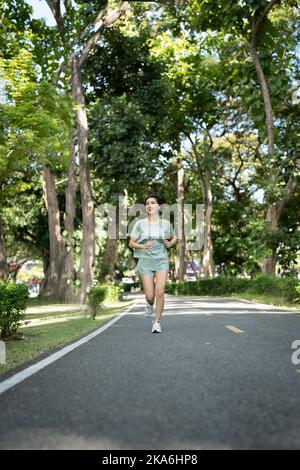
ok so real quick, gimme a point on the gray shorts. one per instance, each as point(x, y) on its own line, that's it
point(151, 266)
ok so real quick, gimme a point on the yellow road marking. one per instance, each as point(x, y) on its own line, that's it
point(234, 329)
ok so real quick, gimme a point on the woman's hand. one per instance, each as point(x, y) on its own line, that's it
point(168, 243)
point(148, 244)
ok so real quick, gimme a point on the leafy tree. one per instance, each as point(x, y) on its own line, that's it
point(34, 123)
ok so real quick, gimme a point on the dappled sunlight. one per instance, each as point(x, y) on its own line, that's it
point(192, 305)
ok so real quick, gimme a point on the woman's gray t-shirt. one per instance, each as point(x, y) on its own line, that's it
point(143, 231)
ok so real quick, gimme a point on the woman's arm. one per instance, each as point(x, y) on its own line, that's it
point(133, 244)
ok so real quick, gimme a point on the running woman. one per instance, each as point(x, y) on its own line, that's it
point(150, 238)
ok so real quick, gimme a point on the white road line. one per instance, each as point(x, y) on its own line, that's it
point(234, 329)
point(24, 374)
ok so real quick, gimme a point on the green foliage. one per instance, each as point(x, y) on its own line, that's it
point(285, 288)
point(158, 76)
point(218, 286)
point(24, 217)
point(114, 292)
point(95, 297)
point(35, 118)
point(123, 147)
point(233, 15)
point(127, 111)
point(97, 294)
point(13, 302)
point(15, 18)
point(189, 75)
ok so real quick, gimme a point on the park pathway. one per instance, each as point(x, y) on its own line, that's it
point(220, 376)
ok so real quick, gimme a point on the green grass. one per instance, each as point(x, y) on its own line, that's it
point(47, 315)
point(39, 302)
point(111, 306)
point(43, 302)
point(266, 299)
point(44, 338)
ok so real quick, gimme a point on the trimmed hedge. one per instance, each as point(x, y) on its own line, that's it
point(13, 303)
point(95, 297)
point(97, 294)
point(216, 286)
point(286, 288)
point(114, 292)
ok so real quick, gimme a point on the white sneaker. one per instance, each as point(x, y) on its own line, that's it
point(149, 310)
point(156, 327)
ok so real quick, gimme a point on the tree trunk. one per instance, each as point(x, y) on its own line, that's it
point(110, 257)
point(103, 20)
point(193, 265)
point(70, 194)
point(87, 204)
point(274, 209)
point(266, 98)
point(3, 259)
point(207, 268)
point(181, 240)
point(256, 27)
point(274, 212)
point(109, 260)
point(56, 258)
point(207, 260)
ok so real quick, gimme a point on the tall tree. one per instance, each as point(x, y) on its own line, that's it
point(35, 120)
point(256, 26)
point(77, 47)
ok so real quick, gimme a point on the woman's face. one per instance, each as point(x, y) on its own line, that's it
point(151, 205)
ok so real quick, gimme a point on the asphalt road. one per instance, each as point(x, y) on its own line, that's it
point(220, 376)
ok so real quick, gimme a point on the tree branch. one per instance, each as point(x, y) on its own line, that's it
point(67, 5)
point(54, 6)
point(256, 27)
point(194, 153)
point(258, 22)
point(102, 25)
point(95, 23)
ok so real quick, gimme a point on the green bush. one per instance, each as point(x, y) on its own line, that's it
point(114, 291)
point(13, 302)
point(95, 297)
point(126, 287)
point(97, 294)
point(287, 289)
point(217, 286)
point(283, 287)
point(170, 288)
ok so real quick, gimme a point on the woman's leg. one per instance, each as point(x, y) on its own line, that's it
point(160, 282)
point(148, 287)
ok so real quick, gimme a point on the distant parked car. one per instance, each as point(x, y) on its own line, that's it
point(191, 277)
point(127, 280)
